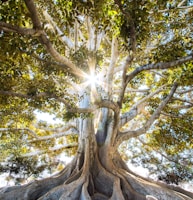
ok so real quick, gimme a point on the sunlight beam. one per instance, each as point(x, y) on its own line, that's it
point(92, 79)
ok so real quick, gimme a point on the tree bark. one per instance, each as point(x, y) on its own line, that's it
point(96, 172)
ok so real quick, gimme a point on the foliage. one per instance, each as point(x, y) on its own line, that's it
point(81, 32)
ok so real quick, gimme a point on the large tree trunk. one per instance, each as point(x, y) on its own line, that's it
point(96, 172)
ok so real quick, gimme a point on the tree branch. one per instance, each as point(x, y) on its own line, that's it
point(104, 103)
point(108, 104)
point(34, 14)
point(160, 65)
point(135, 133)
point(163, 155)
point(70, 67)
point(182, 106)
point(135, 109)
point(159, 74)
point(36, 96)
point(58, 133)
point(114, 56)
point(187, 8)
point(98, 104)
point(59, 58)
point(91, 45)
point(62, 37)
point(55, 64)
point(46, 42)
point(171, 115)
point(59, 99)
point(181, 3)
point(185, 91)
point(183, 100)
point(15, 29)
point(137, 90)
point(50, 150)
point(53, 136)
point(127, 63)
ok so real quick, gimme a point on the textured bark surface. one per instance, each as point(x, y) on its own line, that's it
point(97, 172)
point(102, 177)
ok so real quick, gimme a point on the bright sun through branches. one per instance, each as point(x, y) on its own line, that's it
point(92, 80)
point(95, 81)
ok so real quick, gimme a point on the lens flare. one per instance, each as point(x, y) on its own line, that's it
point(92, 79)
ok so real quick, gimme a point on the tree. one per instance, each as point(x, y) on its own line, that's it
point(114, 70)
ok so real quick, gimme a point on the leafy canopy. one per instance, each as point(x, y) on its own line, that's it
point(33, 79)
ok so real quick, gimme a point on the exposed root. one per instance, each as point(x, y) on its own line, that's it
point(147, 187)
point(99, 196)
point(35, 189)
point(117, 192)
point(84, 193)
point(103, 180)
point(149, 197)
point(129, 192)
point(93, 181)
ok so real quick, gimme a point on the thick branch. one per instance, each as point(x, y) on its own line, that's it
point(181, 3)
point(127, 63)
point(128, 116)
point(62, 37)
point(108, 104)
point(23, 31)
point(46, 42)
point(59, 58)
point(98, 104)
point(15, 94)
point(59, 133)
point(62, 133)
point(104, 103)
point(36, 96)
point(34, 15)
point(47, 95)
point(114, 55)
point(91, 35)
point(135, 109)
point(135, 133)
point(83, 110)
point(160, 65)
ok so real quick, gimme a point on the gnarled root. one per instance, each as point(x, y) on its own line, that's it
point(94, 181)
